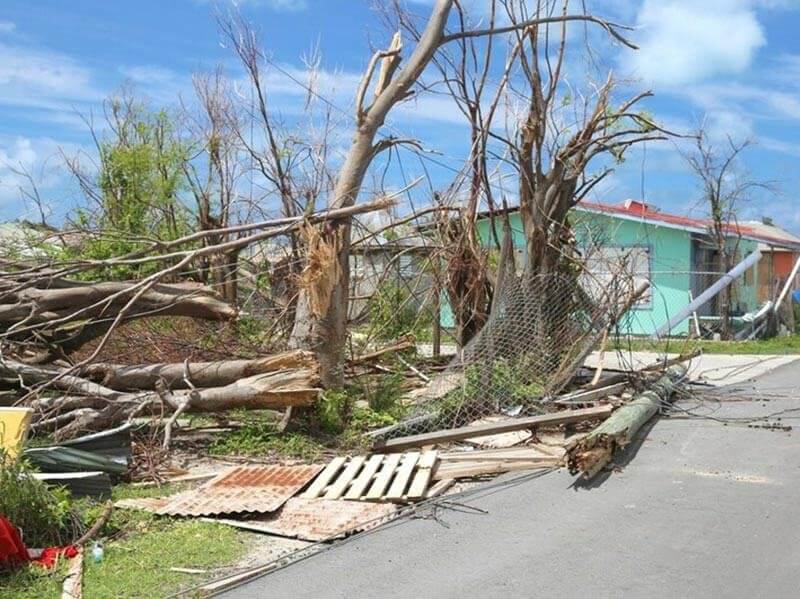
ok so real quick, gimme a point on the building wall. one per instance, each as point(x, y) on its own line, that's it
point(670, 256)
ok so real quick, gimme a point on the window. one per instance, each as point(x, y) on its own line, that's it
point(615, 265)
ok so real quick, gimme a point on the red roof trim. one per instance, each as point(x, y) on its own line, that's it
point(639, 210)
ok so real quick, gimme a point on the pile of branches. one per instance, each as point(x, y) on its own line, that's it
point(50, 310)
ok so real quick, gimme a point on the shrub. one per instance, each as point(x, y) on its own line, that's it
point(44, 515)
point(332, 410)
point(393, 313)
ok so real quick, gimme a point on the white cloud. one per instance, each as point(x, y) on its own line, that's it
point(684, 41)
point(276, 5)
point(40, 79)
point(39, 157)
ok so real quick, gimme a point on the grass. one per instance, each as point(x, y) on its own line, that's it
point(774, 346)
point(138, 557)
point(259, 437)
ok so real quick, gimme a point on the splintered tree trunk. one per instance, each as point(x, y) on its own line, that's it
point(325, 330)
point(596, 449)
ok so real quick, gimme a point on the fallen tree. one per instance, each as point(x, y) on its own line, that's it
point(70, 313)
point(289, 379)
point(591, 453)
point(198, 374)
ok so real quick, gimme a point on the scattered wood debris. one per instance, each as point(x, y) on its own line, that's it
point(498, 440)
point(511, 424)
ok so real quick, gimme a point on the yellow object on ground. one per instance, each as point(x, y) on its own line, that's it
point(14, 425)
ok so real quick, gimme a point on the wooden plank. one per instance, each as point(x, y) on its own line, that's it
point(73, 582)
point(513, 424)
point(422, 478)
point(468, 469)
point(339, 486)
point(384, 476)
point(324, 478)
point(591, 394)
point(511, 454)
point(403, 476)
point(361, 483)
point(439, 487)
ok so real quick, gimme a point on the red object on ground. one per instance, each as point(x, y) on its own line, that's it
point(12, 550)
point(50, 555)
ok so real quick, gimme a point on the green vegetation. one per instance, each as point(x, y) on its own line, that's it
point(138, 558)
point(507, 384)
point(137, 188)
point(776, 346)
point(393, 314)
point(45, 515)
point(259, 436)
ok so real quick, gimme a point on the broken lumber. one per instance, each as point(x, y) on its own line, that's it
point(467, 469)
point(591, 453)
point(514, 424)
point(591, 395)
point(72, 588)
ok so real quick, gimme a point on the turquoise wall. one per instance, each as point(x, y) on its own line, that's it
point(670, 265)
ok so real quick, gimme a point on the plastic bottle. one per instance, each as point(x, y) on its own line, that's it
point(97, 553)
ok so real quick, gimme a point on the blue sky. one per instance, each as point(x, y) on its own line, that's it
point(734, 62)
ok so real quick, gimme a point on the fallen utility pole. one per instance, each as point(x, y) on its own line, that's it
point(515, 424)
point(592, 452)
point(786, 287)
point(709, 293)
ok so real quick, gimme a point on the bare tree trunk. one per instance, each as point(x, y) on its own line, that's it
point(325, 333)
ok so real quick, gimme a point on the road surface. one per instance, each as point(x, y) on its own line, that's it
point(698, 509)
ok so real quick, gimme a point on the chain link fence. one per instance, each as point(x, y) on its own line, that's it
point(533, 343)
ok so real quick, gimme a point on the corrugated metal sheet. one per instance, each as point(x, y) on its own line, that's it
point(79, 484)
point(113, 443)
point(318, 519)
point(67, 459)
point(147, 504)
point(259, 489)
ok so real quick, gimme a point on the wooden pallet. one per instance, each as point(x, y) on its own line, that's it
point(379, 477)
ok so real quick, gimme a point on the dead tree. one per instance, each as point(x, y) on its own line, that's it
point(724, 189)
point(323, 326)
point(213, 175)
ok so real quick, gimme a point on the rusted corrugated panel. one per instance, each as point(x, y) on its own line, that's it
point(259, 489)
point(318, 519)
point(147, 504)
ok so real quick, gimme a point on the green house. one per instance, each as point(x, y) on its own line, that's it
point(674, 253)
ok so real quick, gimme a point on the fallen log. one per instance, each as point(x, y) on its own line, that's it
point(465, 432)
point(271, 390)
point(591, 453)
point(70, 313)
point(88, 406)
point(398, 346)
point(200, 374)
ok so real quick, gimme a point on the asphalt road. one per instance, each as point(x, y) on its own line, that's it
point(698, 509)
